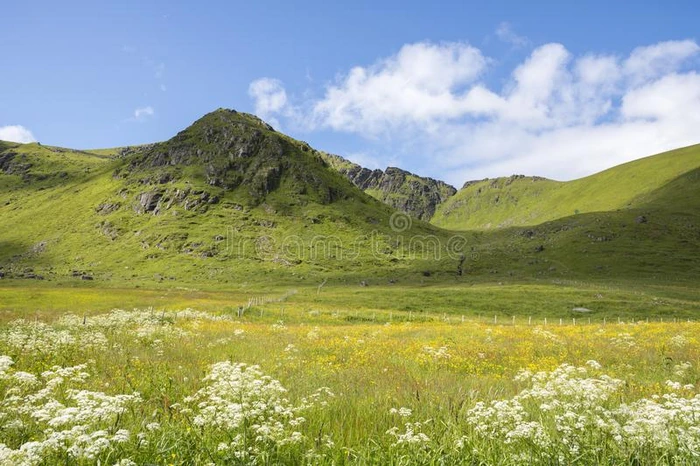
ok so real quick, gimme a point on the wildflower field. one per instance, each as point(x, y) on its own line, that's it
point(181, 386)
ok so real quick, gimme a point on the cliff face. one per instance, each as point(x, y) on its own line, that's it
point(415, 195)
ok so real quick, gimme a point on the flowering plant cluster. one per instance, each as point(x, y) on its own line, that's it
point(74, 423)
point(571, 415)
point(248, 410)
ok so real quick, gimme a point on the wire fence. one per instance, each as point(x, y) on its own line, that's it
point(263, 307)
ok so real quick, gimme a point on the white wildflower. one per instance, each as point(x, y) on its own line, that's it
point(152, 426)
point(673, 385)
point(679, 341)
point(623, 341)
point(403, 412)
point(437, 353)
point(411, 435)
point(594, 364)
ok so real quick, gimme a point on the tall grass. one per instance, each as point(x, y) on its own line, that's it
point(193, 387)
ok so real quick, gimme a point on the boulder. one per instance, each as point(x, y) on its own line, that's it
point(148, 201)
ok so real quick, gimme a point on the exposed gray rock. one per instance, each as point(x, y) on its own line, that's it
point(147, 202)
point(38, 248)
point(11, 164)
point(232, 150)
point(106, 208)
point(412, 194)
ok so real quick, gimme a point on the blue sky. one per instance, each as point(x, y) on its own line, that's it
point(454, 90)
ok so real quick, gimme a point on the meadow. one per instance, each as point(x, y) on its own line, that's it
point(298, 378)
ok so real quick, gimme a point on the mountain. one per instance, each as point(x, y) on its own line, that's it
point(412, 194)
point(522, 201)
point(230, 201)
point(227, 199)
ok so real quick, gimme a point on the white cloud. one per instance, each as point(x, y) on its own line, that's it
point(646, 63)
point(16, 133)
point(675, 96)
point(558, 115)
point(269, 95)
point(505, 33)
point(142, 113)
point(363, 159)
point(540, 92)
point(416, 86)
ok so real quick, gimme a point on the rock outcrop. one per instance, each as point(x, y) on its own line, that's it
point(412, 194)
point(231, 151)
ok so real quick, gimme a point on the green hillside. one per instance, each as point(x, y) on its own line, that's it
point(521, 201)
point(231, 201)
point(33, 166)
point(227, 199)
point(657, 240)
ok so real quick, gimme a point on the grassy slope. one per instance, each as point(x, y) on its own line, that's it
point(57, 229)
point(50, 166)
point(523, 201)
point(610, 246)
point(292, 234)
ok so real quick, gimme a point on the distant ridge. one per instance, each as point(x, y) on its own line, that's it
point(525, 200)
point(415, 195)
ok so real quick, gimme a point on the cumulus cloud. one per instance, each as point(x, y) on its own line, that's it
point(558, 115)
point(651, 62)
point(142, 113)
point(270, 98)
point(418, 85)
point(16, 133)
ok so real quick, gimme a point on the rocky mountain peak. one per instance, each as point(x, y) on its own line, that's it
point(412, 194)
point(231, 150)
